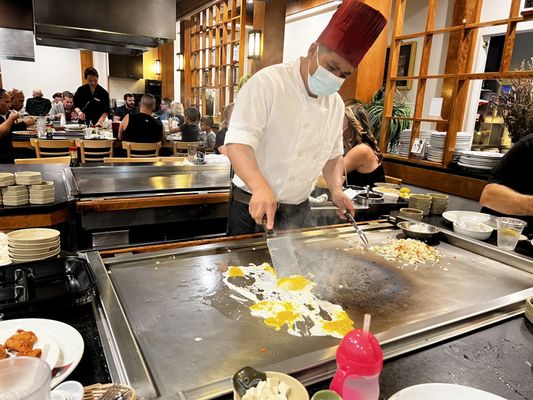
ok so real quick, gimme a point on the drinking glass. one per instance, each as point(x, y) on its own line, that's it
point(192, 149)
point(509, 231)
point(24, 378)
point(41, 127)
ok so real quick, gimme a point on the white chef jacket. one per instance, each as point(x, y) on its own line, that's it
point(293, 134)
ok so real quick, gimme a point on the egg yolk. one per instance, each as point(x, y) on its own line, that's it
point(286, 315)
point(295, 282)
point(341, 324)
point(270, 269)
point(235, 271)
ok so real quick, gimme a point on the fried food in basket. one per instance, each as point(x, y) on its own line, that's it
point(30, 353)
point(3, 353)
point(21, 341)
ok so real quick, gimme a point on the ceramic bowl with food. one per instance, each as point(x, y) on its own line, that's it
point(472, 229)
point(297, 391)
point(418, 230)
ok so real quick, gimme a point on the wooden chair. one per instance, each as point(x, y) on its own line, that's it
point(391, 179)
point(180, 148)
point(119, 160)
point(95, 150)
point(51, 148)
point(172, 159)
point(142, 149)
point(46, 160)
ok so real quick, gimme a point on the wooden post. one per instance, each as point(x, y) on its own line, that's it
point(86, 58)
point(269, 18)
point(166, 52)
point(186, 88)
point(368, 77)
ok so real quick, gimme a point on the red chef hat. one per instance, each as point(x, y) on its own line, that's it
point(352, 30)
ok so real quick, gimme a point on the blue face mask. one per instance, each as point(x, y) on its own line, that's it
point(323, 82)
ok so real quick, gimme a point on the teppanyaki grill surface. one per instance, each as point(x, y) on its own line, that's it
point(180, 311)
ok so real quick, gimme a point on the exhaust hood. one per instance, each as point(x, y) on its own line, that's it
point(118, 27)
point(16, 44)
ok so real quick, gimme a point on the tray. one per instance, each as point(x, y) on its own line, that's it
point(41, 285)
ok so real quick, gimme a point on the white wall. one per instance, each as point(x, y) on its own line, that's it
point(119, 86)
point(302, 29)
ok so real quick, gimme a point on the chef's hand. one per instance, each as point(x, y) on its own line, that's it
point(263, 203)
point(81, 116)
point(343, 202)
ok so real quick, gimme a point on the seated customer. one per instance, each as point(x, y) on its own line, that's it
point(510, 188)
point(362, 158)
point(221, 135)
point(65, 107)
point(127, 109)
point(57, 98)
point(6, 121)
point(17, 102)
point(164, 111)
point(38, 105)
point(142, 127)
point(206, 125)
point(190, 131)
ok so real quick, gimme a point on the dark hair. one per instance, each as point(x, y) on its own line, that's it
point(208, 120)
point(167, 101)
point(68, 94)
point(360, 129)
point(90, 71)
point(2, 91)
point(57, 94)
point(192, 114)
point(128, 95)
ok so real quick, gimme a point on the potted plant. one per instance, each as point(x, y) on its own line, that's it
point(515, 104)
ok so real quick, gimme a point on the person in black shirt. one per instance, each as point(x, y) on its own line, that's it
point(38, 105)
point(142, 127)
point(17, 102)
point(510, 188)
point(91, 100)
point(190, 129)
point(6, 121)
point(127, 109)
point(221, 135)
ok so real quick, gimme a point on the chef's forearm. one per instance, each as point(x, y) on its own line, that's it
point(244, 163)
point(505, 200)
point(333, 173)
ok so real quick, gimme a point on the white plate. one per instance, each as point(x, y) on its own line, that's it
point(453, 216)
point(32, 235)
point(474, 166)
point(20, 259)
point(22, 254)
point(68, 340)
point(34, 246)
point(49, 347)
point(443, 391)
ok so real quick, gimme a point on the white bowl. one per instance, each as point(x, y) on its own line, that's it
point(298, 391)
point(33, 235)
point(472, 229)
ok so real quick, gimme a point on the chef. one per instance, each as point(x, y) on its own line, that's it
point(286, 126)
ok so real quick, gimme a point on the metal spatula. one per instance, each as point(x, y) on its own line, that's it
point(357, 229)
point(281, 252)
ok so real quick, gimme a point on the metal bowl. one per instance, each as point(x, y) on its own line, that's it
point(372, 198)
point(406, 227)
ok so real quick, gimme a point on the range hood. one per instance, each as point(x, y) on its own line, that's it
point(16, 44)
point(118, 27)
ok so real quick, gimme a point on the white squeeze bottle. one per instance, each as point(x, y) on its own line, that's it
point(63, 120)
point(359, 363)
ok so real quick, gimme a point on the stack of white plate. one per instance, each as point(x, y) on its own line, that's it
point(34, 244)
point(6, 179)
point(28, 178)
point(16, 195)
point(405, 140)
point(479, 160)
point(43, 193)
point(436, 143)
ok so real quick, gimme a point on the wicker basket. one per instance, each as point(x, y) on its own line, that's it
point(94, 392)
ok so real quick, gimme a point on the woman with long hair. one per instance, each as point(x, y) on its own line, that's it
point(362, 158)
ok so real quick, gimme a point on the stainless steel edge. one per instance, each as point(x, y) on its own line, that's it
point(123, 356)
point(157, 167)
point(70, 183)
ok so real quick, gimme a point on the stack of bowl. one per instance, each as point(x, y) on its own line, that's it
point(34, 244)
point(6, 179)
point(43, 193)
point(28, 178)
point(412, 213)
point(16, 195)
point(439, 203)
point(421, 202)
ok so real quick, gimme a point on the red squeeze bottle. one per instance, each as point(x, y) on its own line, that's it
point(359, 363)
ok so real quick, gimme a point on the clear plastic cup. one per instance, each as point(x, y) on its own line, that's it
point(24, 378)
point(509, 231)
point(192, 149)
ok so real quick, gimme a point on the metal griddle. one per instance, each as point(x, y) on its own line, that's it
point(127, 180)
point(179, 334)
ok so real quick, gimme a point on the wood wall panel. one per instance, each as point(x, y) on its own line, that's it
point(269, 18)
point(297, 6)
point(86, 58)
point(167, 70)
point(436, 180)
